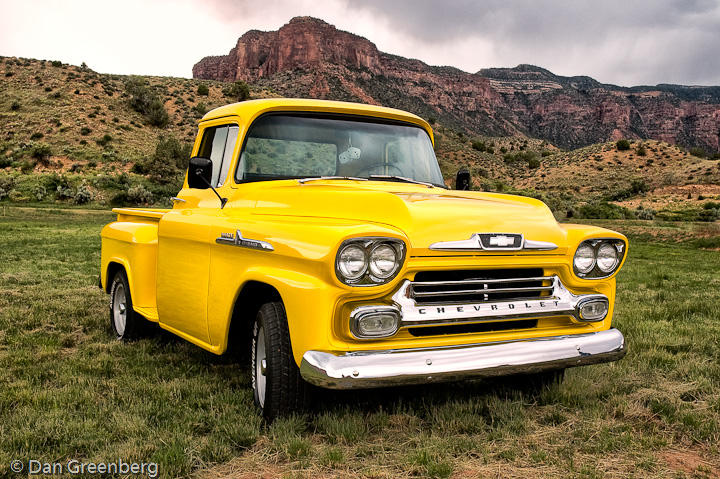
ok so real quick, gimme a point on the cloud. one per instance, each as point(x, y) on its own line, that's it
point(614, 41)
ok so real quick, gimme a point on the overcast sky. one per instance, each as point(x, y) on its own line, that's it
point(614, 41)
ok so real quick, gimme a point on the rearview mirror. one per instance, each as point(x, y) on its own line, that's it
point(462, 180)
point(199, 173)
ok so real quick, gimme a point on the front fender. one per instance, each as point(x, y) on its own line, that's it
point(309, 304)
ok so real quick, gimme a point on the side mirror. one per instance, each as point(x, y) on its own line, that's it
point(462, 179)
point(199, 173)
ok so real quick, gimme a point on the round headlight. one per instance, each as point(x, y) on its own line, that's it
point(383, 261)
point(352, 262)
point(607, 257)
point(584, 259)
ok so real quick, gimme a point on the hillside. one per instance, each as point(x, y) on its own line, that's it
point(308, 57)
point(71, 135)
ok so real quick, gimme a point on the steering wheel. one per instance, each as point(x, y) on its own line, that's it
point(366, 170)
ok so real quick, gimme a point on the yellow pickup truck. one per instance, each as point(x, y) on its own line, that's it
point(319, 237)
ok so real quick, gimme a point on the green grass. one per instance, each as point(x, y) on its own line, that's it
point(67, 390)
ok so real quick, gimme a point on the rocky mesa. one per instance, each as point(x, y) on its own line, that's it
point(308, 57)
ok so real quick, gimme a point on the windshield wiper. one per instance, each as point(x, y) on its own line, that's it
point(403, 179)
point(316, 178)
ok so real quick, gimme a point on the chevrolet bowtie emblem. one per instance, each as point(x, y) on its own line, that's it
point(501, 241)
point(494, 242)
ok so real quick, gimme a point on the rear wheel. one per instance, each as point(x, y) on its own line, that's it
point(125, 323)
point(278, 388)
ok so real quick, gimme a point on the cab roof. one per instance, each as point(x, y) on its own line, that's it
point(251, 109)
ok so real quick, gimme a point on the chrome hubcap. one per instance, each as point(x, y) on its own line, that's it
point(120, 310)
point(260, 366)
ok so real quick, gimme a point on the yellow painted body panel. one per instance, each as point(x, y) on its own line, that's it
point(190, 283)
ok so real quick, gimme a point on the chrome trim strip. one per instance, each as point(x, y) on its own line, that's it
point(474, 244)
point(238, 240)
point(302, 181)
point(175, 198)
point(560, 302)
point(370, 369)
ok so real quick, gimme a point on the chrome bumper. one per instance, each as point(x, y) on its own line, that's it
point(370, 369)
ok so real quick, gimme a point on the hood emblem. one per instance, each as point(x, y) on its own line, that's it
point(501, 241)
point(494, 242)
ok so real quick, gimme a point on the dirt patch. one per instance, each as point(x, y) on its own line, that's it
point(691, 462)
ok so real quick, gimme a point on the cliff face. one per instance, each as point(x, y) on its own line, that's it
point(308, 57)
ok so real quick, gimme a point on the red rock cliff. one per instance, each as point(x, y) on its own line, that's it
point(308, 57)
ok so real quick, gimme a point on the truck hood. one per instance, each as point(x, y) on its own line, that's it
point(425, 215)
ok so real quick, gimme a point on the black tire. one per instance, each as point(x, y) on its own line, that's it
point(280, 391)
point(133, 322)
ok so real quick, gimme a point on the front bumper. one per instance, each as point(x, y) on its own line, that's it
point(370, 369)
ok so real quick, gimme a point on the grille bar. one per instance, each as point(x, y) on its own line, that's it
point(480, 286)
point(481, 281)
point(464, 292)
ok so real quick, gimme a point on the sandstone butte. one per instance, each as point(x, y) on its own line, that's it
point(311, 58)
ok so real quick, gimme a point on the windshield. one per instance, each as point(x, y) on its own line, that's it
point(295, 146)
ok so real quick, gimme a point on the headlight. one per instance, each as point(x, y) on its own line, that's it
point(369, 261)
point(352, 262)
point(584, 259)
point(383, 261)
point(607, 257)
point(598, 258)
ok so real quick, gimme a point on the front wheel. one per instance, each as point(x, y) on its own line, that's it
point(278, 388)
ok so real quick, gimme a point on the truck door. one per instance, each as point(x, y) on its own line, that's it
point(185, 239)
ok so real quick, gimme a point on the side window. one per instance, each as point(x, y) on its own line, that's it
point(227, 156)
point(217, 145)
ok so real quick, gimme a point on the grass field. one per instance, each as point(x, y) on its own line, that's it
point(67, 390)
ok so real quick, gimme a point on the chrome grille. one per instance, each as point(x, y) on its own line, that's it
point(478, 286)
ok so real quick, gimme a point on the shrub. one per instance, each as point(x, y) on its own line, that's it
point(534, 163)
point(637, 186)
point(56, 63)
point(15, 106)
point(641, 151)
point(146, 102)
point(238, 90)
point(85, 131)
point(82, 195)
point(699, 152)
point(139, 195)
point(36, 136)
point(645, 213)
point(709, 214)
point(167, 164)
point(622, 145)
point(200, 108)
point(479, 146)
point(203, 90)
point(105, 140)
point(41, 152)
point(603, 210)
point(545, 153)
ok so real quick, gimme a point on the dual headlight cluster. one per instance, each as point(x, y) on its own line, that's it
point(369, 261)
point(598, 258)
